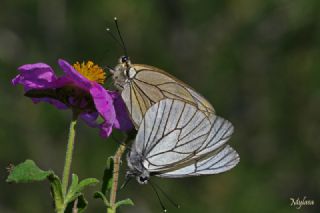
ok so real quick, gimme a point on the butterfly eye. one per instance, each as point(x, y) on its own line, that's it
point(143, 180)
point(124, 59)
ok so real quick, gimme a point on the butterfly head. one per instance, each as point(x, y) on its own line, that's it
point(136, 169)
point(123, 73)
point(141, 177)
point(126, 68)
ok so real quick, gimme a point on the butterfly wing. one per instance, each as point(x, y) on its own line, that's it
point(222, 160)
point(174, 132)
point(150, 85)
point(170, 132)
point(220, 132)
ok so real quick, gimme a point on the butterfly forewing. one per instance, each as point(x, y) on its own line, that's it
point(201, 102)
point(219, 133)
point(171, 130)
point(149, 85)
point(152, 75)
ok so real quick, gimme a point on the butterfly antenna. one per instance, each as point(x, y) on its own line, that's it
point(167, 196)
point(114, 38)
point(127, 180)
point(155, 190)
point(120, 36)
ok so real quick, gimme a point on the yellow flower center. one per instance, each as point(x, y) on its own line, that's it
point(91, 71)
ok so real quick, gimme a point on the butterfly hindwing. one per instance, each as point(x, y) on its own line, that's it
point(220, 161)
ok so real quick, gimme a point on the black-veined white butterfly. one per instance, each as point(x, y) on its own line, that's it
point(142, 86)
point(176, 139)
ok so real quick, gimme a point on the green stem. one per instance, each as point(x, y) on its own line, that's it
point(111, 210)
point(115, 178)
point(68, 160)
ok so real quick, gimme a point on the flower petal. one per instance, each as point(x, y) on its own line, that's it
point(122, 120)
point(35, 76)
point(90, 119)
point(52, 101)
point(103, 103)
point(77, 78)
point(105, 129)
point(62, 81)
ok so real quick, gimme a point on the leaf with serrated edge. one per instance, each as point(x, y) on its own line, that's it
point(27, 172)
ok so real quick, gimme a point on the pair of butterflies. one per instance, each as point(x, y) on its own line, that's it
point(179, 134)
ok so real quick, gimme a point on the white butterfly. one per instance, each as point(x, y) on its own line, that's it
point(142, 85)
point(176, 139)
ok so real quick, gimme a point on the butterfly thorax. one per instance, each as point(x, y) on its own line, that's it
point(123, 72)
point(136, 169)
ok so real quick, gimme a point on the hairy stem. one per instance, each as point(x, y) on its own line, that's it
point(68, 160)
point(115, 179)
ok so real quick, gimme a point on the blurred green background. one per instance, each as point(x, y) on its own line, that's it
point(258, 62)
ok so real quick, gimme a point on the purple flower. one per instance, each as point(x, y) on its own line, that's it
point(79, 89)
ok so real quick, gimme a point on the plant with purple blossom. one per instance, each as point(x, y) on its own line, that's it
point(81, 90)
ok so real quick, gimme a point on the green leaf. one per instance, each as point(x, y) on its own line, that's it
point(74, 183)
point(76, 189)
point(56, 191)
point(27, 172)
point(107, 176)
point(72, 192)
point(86, 182)
point(124, 202)
point(81, 204)
point(102, 197)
